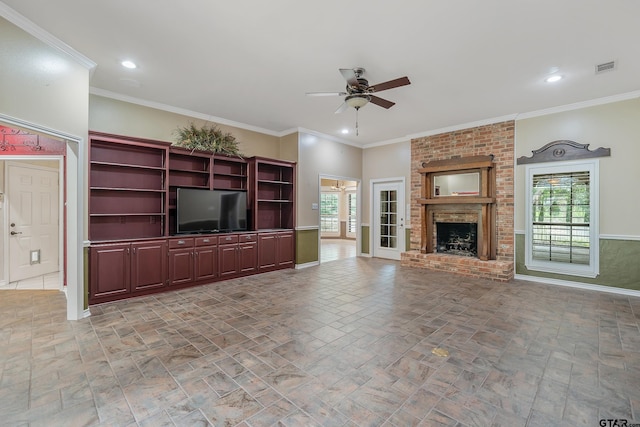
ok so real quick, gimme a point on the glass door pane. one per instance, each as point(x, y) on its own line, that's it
point(388, 219)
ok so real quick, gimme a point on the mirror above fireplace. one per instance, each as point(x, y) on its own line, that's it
point(456, 184)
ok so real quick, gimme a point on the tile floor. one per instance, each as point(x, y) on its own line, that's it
point(335, 249)
point(346, 343)
point(49, 281)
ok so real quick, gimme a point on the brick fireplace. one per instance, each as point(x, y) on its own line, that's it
point(496, 140)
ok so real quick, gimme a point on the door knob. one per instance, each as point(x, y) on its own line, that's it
point(13, 233)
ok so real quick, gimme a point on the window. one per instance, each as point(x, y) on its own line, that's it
point(562, 218)
point(329, 219)
point(351, 214)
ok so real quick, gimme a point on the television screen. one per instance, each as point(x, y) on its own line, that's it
point(210, 211)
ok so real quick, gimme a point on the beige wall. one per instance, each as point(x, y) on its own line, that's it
point(289, 147)
point(616, 126)
point(41, 85)
point(317, 157)
point(124, 118)
point(386, 161)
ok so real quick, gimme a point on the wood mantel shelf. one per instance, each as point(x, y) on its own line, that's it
point(457, 200)
point(483, 204)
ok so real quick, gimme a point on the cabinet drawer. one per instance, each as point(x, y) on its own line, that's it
point(181, 243)
point(231, 238)
point(207, 241)
point(248, 238)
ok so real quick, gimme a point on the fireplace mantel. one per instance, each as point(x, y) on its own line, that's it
point(483, 203)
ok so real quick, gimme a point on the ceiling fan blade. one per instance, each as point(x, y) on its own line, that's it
point(342, 108)
point(381, 102)
point(402, 81)
point(350, 76)
point(326, 93)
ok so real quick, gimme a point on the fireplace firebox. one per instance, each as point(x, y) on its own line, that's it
point(457, 238)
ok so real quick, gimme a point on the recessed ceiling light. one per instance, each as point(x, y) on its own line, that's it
point(345, 131)
point(129, 64)
point(553, 79)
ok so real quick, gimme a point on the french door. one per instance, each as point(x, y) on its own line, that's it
point(388, 219)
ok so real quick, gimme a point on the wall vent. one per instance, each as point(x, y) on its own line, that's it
point(605, 66)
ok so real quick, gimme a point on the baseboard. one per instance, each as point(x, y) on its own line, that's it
point(579, 285)
point(308, 264)
point(86, 313)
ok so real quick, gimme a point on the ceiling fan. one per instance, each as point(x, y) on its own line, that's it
point(358, 91)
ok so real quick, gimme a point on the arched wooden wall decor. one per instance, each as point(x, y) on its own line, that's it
point(563, 150)
point(17, 141)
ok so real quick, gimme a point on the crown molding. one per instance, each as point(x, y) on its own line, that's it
point(329, 137)
point(579, 105)
point(182, 111)
point(44, 36)
point(447, 129)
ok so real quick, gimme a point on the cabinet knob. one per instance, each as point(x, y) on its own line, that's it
point(228, 238)
point(181, 242)
point(206, 240)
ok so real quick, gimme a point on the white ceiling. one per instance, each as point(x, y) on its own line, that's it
point(251, 61)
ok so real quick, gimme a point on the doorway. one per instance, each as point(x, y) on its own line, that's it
point(71, 168)
point(33, 245)
point(339, 213)
point(388, 218)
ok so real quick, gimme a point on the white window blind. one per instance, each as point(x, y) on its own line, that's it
point(352, 214)
point(329, 220)
point(562, 218)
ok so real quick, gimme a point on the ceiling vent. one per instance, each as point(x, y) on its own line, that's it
point(605, 66)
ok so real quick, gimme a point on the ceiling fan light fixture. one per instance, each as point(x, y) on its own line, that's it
point(357, 101)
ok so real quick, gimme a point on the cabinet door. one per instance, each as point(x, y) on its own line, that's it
point(109, 270)
point(180, 266)
point(206, 262)
point(267, 250)
point(248, 256)
point(228, 257)
point(148, 265)
point(286, 249)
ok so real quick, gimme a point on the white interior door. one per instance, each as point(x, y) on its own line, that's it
point(388, 219)
point(33, 194)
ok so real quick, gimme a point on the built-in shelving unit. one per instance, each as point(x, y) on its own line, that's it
point(132, 217)
point(127, 188)
point(274, 193)
point(229, 173)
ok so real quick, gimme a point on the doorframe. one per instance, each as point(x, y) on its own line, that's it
point(60, 169)
point(74, 232)
point(372, 222)
point(358, 210)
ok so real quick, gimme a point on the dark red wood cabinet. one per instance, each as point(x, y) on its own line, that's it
point(181, 257)
point(132, 217)
point(110, 270)
point(276, 250)
point(122, 269)
point(238, 253)
point(206, 258)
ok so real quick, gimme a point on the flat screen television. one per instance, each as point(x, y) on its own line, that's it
point(210, 211)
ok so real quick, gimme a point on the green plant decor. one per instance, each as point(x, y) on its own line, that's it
point(207, 138)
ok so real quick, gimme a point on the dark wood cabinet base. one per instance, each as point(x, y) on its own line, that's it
point(120, 270)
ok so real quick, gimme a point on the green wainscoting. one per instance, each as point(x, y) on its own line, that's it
point(307, 246)
point(365, 243)
point(619, 264)
point(407, 239)
point(364, 239)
